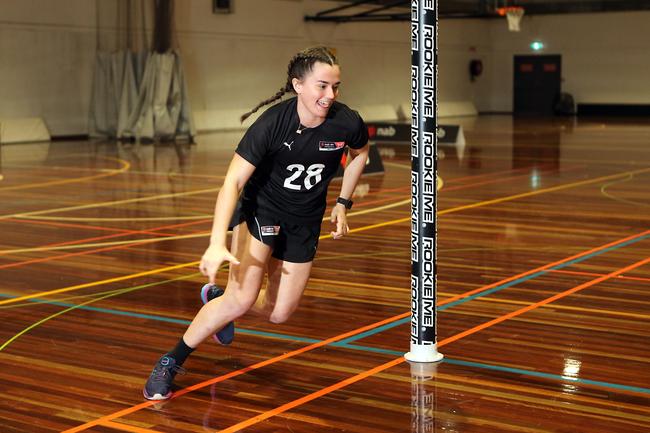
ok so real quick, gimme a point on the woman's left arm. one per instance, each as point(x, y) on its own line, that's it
point(351, 175)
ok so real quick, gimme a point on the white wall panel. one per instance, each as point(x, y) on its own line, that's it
point(232, 61)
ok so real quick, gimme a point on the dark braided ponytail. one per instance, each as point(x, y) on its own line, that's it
point(299, 66)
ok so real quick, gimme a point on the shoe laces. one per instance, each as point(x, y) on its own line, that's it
point(162, 372)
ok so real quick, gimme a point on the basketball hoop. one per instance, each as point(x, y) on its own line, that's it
point(514, 15)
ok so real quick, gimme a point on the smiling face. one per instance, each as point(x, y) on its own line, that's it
point(317, 92)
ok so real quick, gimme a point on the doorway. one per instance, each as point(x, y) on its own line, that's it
point(537, 84)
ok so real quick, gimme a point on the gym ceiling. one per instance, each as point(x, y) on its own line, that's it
point(398, 10)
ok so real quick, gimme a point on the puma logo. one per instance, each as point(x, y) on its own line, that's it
point(288, 144)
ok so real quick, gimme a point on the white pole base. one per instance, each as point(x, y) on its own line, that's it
point(421, 353)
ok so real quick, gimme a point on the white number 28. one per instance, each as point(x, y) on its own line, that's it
point(311, 179)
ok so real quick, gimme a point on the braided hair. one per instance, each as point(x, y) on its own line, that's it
point(299, 66)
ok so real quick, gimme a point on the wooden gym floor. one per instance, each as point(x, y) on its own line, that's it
point(543, 292)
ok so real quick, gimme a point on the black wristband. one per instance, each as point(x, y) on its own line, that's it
point(345, 202)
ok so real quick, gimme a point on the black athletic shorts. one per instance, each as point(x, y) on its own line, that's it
point(291, 242)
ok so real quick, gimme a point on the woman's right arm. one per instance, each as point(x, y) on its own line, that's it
point(238, 174)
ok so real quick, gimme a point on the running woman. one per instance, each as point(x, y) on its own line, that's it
point(274, 197)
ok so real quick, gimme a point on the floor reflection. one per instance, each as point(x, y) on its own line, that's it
point(423, 397)
point(538, 146)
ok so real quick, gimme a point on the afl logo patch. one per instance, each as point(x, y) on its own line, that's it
point(326, 146)
point(270, 230)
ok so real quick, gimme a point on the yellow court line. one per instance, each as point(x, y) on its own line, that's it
point(388, 206)
point(541, 191)
point(484, 203)
point(153, 173)
point(469, 206)
point(487, 299)
point(95, 298)
point(105, 244)
point(109, 203)
point(109, 293)
point(171, 238)
point(98, 283)
point(108, 219)
point(110, 280)
point(564, 159)
point(408, 166)
point(397, 164)
point(140, 274)
point(511, 197)
point(604, 192)
point(375, 209)
point(125, 167)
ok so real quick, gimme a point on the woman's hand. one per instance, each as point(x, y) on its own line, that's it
point(212, 260)
point(340, 218)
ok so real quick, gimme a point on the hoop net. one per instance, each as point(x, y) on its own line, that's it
point(514, 15)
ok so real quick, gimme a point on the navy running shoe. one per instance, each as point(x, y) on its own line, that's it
point(159, 384)
point(226, 334)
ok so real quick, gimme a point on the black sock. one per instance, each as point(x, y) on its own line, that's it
point(181, 352)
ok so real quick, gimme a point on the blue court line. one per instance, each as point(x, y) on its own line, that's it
point(498, 288)
point(345, 343)
point(342, 344)
point(506, 369)
point(168, 320)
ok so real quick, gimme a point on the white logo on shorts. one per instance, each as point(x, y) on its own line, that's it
point(270, 230)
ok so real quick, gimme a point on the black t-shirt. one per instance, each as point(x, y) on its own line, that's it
point(293, 170)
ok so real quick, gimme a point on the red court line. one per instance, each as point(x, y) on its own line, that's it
point(485, 182)
point(447, 188)
point(298, 402)
point(383, 190)
point(408, 187)
point(452, 188)
point(99, 250)
point(374, 202)
point(150, 231)
point(120, 232)
point(200, 385)
point(128, 427)
point(115, 235)
point(235, 373)
point(546, 301)
point(503, 179)
point(542, 268)
point(494, 173)
point(594, 274)
point(543, 167)
point(59, 224)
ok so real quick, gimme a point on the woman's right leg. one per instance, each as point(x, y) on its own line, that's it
point(244, 282)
